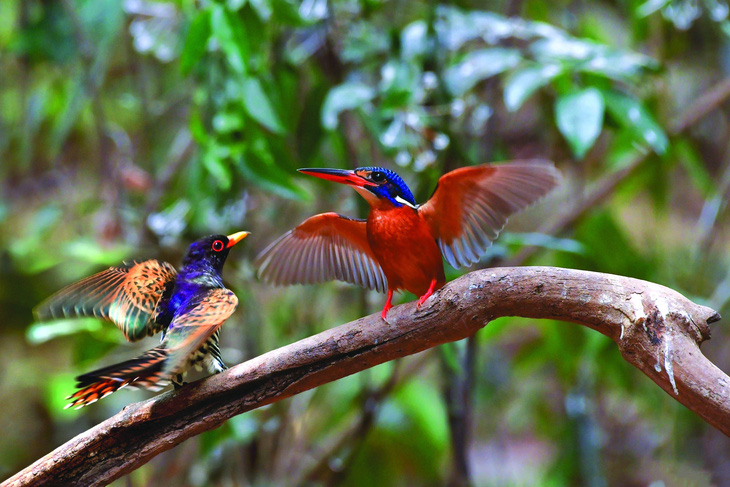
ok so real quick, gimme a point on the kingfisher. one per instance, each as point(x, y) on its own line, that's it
point(401, 244)
point(149, 297)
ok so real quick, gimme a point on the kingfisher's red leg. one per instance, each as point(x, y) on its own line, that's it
point(388, 304)
point(428, 294)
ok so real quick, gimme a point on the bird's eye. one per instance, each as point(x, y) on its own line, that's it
point(377, 176)
point(218, 245)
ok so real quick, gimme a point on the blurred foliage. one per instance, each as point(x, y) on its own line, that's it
point(128, 129)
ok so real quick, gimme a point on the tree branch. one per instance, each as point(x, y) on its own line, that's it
point(656, 329)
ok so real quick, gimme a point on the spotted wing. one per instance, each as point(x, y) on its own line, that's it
point(324, 247)
point(126, 295)
point(193, 325)
point(471, 205)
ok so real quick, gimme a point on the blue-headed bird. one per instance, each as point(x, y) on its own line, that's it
point(400, 245)
point(145, 298)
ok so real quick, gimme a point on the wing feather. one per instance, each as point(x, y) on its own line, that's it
point(126, 295)
point(471, 205)
point(324, 247)
point(193, 325)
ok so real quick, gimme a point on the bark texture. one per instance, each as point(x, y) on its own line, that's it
point(656, 329)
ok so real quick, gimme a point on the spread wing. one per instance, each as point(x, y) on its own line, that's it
point(324, 247)
point(470, 205)
point(193, 325)
point(126, 295)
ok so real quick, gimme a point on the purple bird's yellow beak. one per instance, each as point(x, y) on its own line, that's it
point(236, 237)
point(343, 176)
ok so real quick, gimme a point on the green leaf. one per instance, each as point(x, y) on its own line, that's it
point(541, 240)
point(650, 6)
point(632, 114)
point(399, 82)
point(89, 250)
point(425, 410)
point(214, 160)
point(479, 65)
point(227, 30)
point(695, 167)
point(228, 121)
point(259, 166)
point(523, 83)
point(414, 40)
point(309, 130)
point(57, 387)
point(344, 97)
point(196, 41)
point(42, 332)
point(579, 117)
point(259, 107)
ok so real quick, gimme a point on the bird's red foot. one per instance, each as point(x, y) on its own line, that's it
point(388, 305)
point(428, 294)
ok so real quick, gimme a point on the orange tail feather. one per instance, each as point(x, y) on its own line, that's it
point(143, 371)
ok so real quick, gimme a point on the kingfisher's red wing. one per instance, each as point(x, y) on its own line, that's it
point(324, 247)
point(126, 295)
point(193, 325)
point(470, 205)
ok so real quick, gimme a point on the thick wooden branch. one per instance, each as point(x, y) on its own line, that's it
point(656, 329)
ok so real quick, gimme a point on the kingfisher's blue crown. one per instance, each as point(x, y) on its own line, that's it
point(395, 186)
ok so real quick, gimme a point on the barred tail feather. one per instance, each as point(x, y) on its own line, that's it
point(145, 371)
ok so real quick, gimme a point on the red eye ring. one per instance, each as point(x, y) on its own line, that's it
point(218, 245)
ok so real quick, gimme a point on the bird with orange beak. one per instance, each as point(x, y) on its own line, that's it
point(146, 298)
point(401, 244)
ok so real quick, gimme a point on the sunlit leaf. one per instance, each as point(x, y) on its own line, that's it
point(344, 97)
point(259, 106)
point(650, 6)
point(543, 241)
point(227, 122)
point(585, 55)
point(618, 65)
point(287, 11)
point(364, 40)
point(399, 83)
point(42, 332)
point(521, 84)
point(632, 114)
point(579, 117)
point(263, 8)
point(89, 250)
point(479, 65)
point(414, 40)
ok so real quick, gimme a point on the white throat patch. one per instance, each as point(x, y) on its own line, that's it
point(404, 202)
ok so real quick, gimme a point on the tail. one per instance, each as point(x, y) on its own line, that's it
point(144, 371)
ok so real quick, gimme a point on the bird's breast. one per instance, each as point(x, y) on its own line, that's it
point(406, 250)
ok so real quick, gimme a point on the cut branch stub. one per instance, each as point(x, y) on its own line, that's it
point(657, 330)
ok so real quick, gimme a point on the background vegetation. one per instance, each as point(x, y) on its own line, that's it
point(129, 129)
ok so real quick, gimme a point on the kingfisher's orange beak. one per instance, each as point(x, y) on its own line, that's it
point(236, 237)
point(343, 176)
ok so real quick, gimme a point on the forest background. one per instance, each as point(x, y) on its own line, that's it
point(129, 129)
